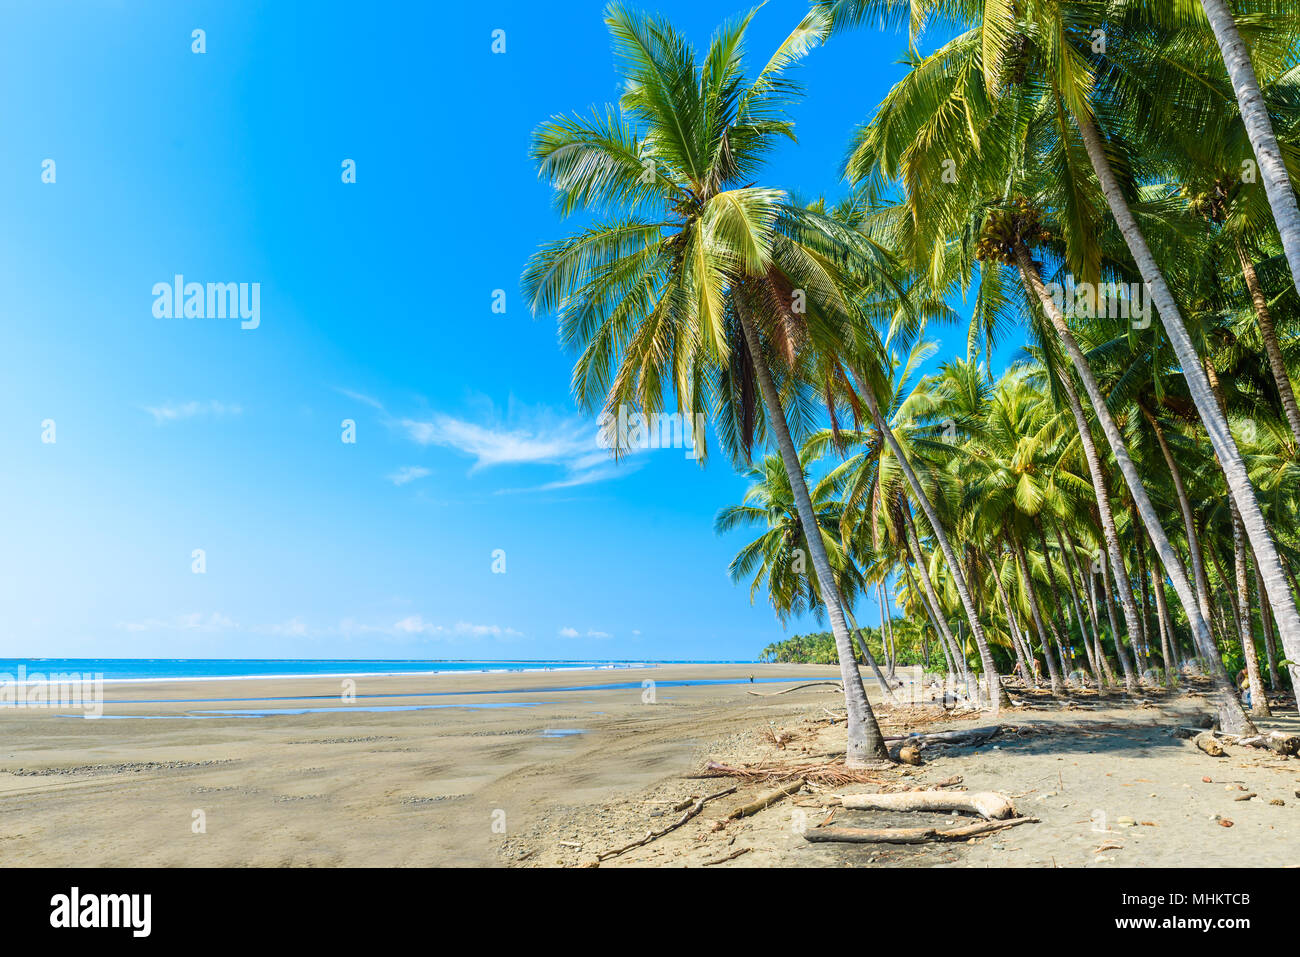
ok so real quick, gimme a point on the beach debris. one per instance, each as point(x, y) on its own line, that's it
point(1277, 802)
point(1245, 797)
point(767, 799)
point(831, 772)
point(988, 804)
point(965, 736)
point(693, 810)
point(909, 754)
point(777, 736)
point(1277, 741)
point(810, 684)
point(1126, 822)
point(1224, 822)
point(1207, 780)
point(1109, 846)
point(730, 857)
point(909, 835)
point(679, 806)
point(1207, 742)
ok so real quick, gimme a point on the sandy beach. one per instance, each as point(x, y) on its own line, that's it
point(544, 769)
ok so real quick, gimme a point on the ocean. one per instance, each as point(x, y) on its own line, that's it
point(194, 669)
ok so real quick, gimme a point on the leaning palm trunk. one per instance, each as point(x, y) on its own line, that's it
point(1254, 115)
point(1230, 461)
point(1110, 616)
point(1036, 290)
point(1266, 623)
point(1060, 621)
point(888, 633)
point(1026, 665)
point(1272, 348)
point(1258, 703)
point(936, 609)
point(1078, 609)
point(997, 695)
point(886, 692)
point(865, 742)
point(1036, 613)
point(1024, 648)
point(1189, 520)
point(1232, 717)
point(1144, 653)
point(1168, 643)
point(1130, 679)
point(1088, 584)
point(951, 669)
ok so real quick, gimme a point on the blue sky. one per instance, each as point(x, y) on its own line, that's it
point(179, 434)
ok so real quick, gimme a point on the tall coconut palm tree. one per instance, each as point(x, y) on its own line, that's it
point(1009, 79)
point(1254, 114)
point(683, 281)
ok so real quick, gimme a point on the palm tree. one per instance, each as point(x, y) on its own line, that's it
point(1013, 84)
point(1254, 114)
point(1063, 57)
point(687, 284)
point(777, 559)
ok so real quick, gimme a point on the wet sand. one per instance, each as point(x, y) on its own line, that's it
point(512, 769)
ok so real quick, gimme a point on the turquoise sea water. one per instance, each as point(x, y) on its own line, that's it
point(173, 669)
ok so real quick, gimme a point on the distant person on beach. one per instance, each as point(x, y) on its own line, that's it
point(1243, 682)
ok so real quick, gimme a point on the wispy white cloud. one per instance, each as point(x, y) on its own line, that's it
point(408, 473)
point(535, 437)
point(361, 397)
point(176, 411)
point(416, 625)
point(195, 621)
point(567, 443)
point(591, 633)
point(293, 628)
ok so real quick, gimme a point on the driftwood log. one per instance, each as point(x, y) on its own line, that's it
point(766, 799)
point(1208, 743)
point(1279, 741)
point(908, 835)
point(987, 804)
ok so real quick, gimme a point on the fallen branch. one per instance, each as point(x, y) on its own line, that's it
point(908, 835)
point(730, 857)
point(959, 737)
point(987, 804)
point(766, 799)
point(811, 684)
point(655, 835)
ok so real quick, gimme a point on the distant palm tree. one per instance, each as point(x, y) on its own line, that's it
point(778, 559)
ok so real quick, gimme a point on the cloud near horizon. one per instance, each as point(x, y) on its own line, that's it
point(591, 633)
